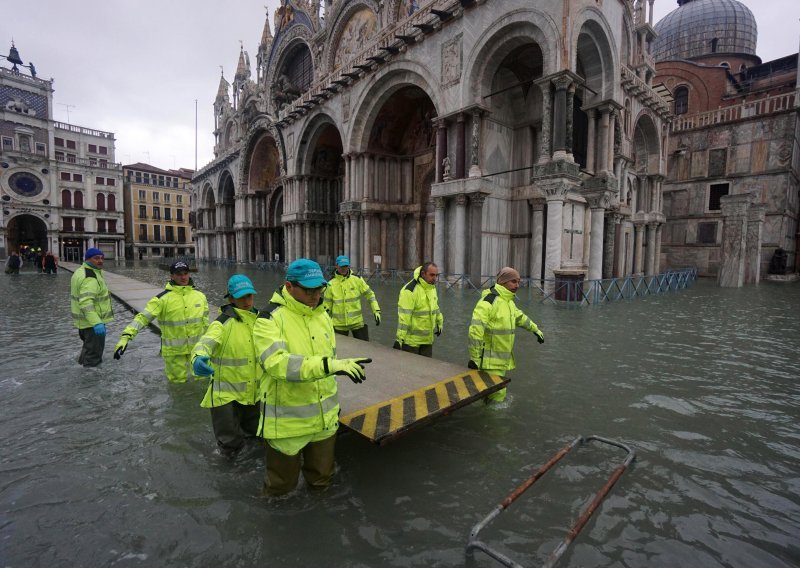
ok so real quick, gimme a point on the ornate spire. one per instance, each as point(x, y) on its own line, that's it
point(222, 90)
point(243, 69)
point(266, 35)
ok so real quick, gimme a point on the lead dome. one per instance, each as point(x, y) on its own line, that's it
point(704, 27)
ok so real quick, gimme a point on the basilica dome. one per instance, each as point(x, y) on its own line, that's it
point(704, 27)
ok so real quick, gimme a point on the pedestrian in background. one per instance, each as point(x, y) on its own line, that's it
point(226, 354)
point(418, 314)
point(13, 263)
point(90, 304)
point(182, 314)
point(50, 263)
point(492, 329)
point(296, 345)
point(343, 301)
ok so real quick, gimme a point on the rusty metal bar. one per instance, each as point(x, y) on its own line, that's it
point(475, 544)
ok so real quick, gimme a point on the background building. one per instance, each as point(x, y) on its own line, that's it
point(59, 184)
point(733, 156)
point(157, 205)
point(477, 134)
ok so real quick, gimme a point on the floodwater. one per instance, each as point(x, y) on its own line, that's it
point(114, 467)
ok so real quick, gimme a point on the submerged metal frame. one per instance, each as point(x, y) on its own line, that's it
point(475, 544)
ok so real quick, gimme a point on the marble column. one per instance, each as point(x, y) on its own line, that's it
point(651, 249)
point(461, 147)
point(439, 233)
point(591, 141)
point(560, 118)
point(612, 120)
point(602, 142)
point(384, 240)
point(734, 240)
point(570, 122)
point(537, 234)
point(610, 253)
point(596, 240)
point(441, 148)
point(545, 151)
point(401, 241)
point(657, 267)
point(367, 250)
point(346, 223)
point(555, 230)
point(421, 239)
point(306, 239)
point(460, 241)
point(475, 263)
point(755, 231)
point(475, 167)
point(638, 248)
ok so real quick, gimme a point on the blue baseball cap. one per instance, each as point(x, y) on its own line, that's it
point(239, 285)
point(306, 272)
point(93, 252)
point(342, 261)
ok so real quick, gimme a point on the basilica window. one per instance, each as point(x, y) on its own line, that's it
point(715, 193)
point(681, 100)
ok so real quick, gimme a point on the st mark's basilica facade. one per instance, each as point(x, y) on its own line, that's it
point(474, 133)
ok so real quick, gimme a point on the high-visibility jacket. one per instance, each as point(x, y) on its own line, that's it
point(294, 342)
point(418, 315)
point(90, 302)
point(343, 300)
point(182, 314)
point(228, 341)
point(491, 331)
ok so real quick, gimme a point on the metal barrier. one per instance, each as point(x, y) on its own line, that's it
point(475, 544)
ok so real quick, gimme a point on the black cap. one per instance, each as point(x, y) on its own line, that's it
point(179, 266)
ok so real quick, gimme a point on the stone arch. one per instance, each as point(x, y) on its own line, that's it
point(294, 69)
point(256, 133)
point(26, 229)
point(518, 28)
point(646, 145)
point(342, 28)
point(314, 133)
point(593, 54)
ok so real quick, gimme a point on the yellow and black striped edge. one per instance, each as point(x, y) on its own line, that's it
point(386, 420)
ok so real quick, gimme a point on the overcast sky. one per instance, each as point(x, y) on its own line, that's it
point(136, 67)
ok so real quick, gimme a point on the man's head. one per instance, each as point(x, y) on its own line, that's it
point(179, 272)
point(304, 282)
point(508, 278)
point(429, 272)
point(342, 265)
point(241, 291)
point(95, 257)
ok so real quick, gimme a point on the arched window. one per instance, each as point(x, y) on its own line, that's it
point(101, 202)
point(725, 64)
point(78, 200)
point(300, 68)
point(681, 100)
point(112, 202)
point(714, 44)
point(66, 199)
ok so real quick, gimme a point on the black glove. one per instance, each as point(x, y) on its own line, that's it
point(539, 335)
point(438, 331)
point(353, 368)
point(397, 345)
point(121, 346)
point(472, 364)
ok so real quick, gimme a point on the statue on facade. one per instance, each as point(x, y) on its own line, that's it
point(446, 169)
point(284, 91)
point(778, 263)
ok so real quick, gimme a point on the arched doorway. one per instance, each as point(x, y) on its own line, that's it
point(263, 177)
point(27, 233)
point(227, 218)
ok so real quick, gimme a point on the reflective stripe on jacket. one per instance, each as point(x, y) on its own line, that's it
point(229, 343)
point(90, 302)
point(418, 313)
point(492, 329)
point(299, 395)
point(343, 300)
point(182, 314)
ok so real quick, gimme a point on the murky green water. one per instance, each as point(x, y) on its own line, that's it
point(113, 466)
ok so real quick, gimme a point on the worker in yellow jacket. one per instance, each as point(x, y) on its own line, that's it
point(182, 314)
point(296, 345)
point(492, 329)
point(227, 356)
point(343, 301)
point(418, 314)
point(90, 304)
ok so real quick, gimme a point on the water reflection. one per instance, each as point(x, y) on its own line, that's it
point(114, 465)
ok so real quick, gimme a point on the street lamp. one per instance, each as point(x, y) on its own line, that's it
point(14, 58)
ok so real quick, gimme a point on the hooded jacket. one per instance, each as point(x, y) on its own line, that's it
point(343, 300)
point(418, 315)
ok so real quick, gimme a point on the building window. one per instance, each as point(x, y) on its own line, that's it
point(156, 251)
point(161, 180)
point(707, 233)
point(8, 143)
point(681, 100)
point(79, 224)
point(157, 233)
point(111, 203)
point(102, 150)
point(167, 214)
point(79, 200)
point(67, 224)
point(93, 162)
point(112, 225)
point(66, 199)
point(179, 215)
point(101, 225)
point(58, 142)
point(714, 45)
point(142, 232)
point(103, 163)
point(65, 176)
point(41, 148)
point(179, 199)
point(77, 177)
point(59, 156)
point(170, 233)
point(111, 181)
point(72, 158)
point(715, 192)
point(156, 213)
point(142, 195)
point(155, 197)
point(138, 177)
point(181, 234)
point(100, 181)
point(166, 198)
point(142, 212)
point(93, 148)
point(101, 202)
point(71, 145)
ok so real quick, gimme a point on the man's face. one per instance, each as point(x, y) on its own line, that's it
point(96, 261)
point(245, 302)
point(181, 278)
point(431, 274)
point(343, 270)
point(308, 296)
point(512, 285)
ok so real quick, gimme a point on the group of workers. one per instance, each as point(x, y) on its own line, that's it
point(272, 371)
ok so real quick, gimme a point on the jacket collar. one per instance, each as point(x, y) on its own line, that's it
point(504, 292)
